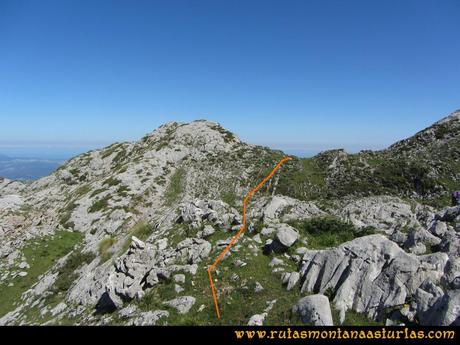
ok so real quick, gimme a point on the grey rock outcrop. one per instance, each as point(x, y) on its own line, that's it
point(368, 274)
point(149, 318)
point(283, 208)
point(445, 311)
point(381, 212)
point(182, 304)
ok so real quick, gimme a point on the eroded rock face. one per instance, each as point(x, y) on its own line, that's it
point(283, 208)
point(418, 240)
point(193, 249)
point(368, 274)
point(314, 310)
point(217, 212)
point(382, 212)
point(448, 214)
point(445, 311)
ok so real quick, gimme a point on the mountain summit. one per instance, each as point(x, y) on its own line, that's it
point(124, 235)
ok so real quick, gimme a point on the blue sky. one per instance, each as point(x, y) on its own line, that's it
point(303, 75)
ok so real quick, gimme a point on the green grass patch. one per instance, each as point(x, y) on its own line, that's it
point(121, 155)
point(75, 171)
point(41, 254)
point(123, 191)
point(175, 186)
point(301, 178)
point(228, 136)
point(97, 191)
point(110, 150)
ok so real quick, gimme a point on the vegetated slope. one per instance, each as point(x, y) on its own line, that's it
point(425, 166)
point(151, 215)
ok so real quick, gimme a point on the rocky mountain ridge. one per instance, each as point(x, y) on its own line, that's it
point(124, 235)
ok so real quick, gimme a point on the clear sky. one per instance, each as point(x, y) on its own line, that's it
point(303, 75)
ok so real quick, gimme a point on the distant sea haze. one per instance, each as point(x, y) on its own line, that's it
point(302, 153)
point(20, 161)
point(19, 168)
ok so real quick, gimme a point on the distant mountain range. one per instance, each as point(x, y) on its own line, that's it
point(26, 168)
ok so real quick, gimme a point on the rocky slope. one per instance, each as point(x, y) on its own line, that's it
point(124, 235)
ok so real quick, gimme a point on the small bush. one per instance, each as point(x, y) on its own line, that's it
point(229, 198)
point(79, 192)
point(75, 171)
point(99, 204)
point(67, 213)
point(142, 230)
point(105, 247)
point(325, 232)
point(119, 156)
point(123, 191)
point(96, 192)
point(111, 182)
point(66, 274)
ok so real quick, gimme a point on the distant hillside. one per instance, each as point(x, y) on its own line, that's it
point(425, 166)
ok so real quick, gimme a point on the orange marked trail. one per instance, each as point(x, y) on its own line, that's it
point(240, 231)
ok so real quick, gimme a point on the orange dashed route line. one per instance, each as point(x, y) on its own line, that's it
point(240, 231)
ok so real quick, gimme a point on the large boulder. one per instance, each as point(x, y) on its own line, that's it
point(438, 228)
point(314, 310)
point(286, 235)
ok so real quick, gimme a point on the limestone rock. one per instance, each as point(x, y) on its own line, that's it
point(257, 319)
point(149, 318)
point(369, 273)
point(182, 304)
point(314, 310)
point(293, 280)
point(286, 235)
